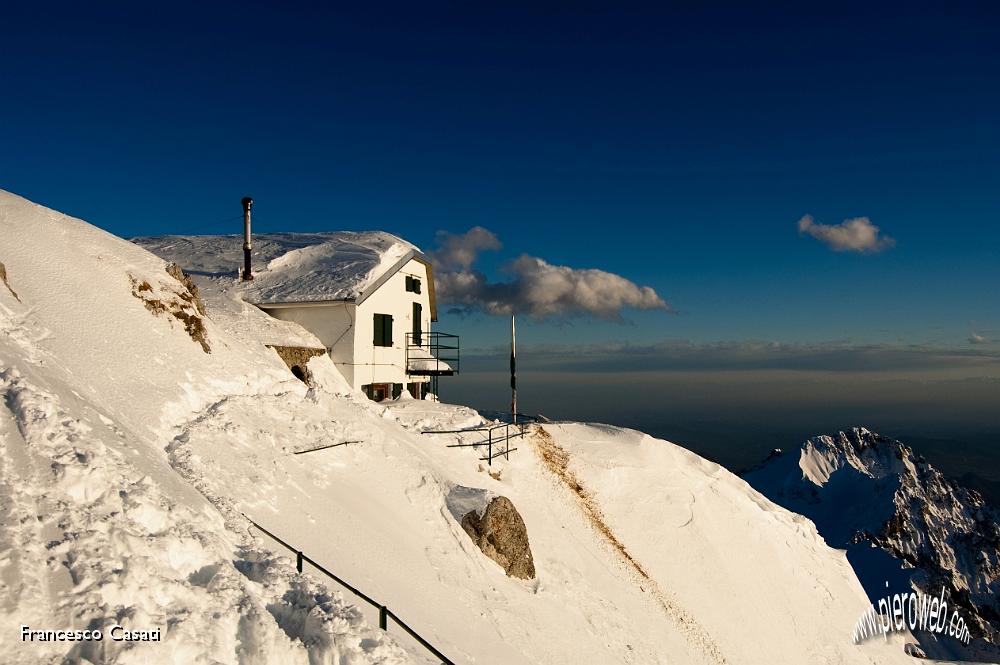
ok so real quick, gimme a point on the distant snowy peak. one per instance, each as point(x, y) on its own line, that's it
point(870, 453)
point(291, 267)
point(861, 487)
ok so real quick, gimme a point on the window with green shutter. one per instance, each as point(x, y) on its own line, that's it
point(418, 324)
point(383, 330)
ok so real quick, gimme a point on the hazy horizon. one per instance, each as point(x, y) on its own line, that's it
point(939, 402)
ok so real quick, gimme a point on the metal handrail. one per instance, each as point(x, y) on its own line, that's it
point(500, 415)
point(384, 613)
point(332, 445)
point(489, 438)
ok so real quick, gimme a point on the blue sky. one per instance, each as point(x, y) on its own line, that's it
point(676, 147)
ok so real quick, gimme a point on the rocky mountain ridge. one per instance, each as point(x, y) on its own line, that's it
point(863, 489)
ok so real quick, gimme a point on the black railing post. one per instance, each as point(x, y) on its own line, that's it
point(383, 617)
point(490, 456)
point(298, 561)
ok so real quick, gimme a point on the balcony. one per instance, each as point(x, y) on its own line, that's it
point(432, 354)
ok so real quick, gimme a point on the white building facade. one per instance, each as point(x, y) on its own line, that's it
point(382, 341)
point(368, 297)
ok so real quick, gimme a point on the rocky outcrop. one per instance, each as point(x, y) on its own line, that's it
point(500, 533)
point(192, 296)
point(3, 278)
point(179, 300)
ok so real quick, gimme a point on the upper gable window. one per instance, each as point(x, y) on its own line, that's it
point(412, 284)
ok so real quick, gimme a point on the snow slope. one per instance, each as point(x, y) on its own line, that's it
point(97, 525)
point(129, 454)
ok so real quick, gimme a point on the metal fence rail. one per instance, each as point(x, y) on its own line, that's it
point(332, 445)
point(384, 613)
point(511, 417)
point(490, 440)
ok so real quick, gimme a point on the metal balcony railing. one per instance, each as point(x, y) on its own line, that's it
point(432, 354)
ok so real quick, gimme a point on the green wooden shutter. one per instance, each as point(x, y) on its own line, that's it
point(383, 330)
point(418, 324)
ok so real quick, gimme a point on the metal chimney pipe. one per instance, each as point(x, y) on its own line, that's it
point(247, 204)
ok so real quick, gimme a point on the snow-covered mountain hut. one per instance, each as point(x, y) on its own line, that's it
point(367, 296)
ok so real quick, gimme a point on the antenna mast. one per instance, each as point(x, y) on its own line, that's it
point(513, 370)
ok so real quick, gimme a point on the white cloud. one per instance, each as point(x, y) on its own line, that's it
point(537, 287)
point(852, 235)
point(977, 339)
point(459, 252)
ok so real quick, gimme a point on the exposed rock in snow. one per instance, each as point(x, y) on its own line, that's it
point(865, 490)
point(178, 273)
point(3, 278)
point(500, 533)
point(183, 304)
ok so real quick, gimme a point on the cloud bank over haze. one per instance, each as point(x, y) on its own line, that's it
point(832, 357)
point(852, 235)
point(536, 287)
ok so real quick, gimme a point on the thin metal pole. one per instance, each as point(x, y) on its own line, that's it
point(383, 617)
point(490, 460)
point(513, 370)
point(247, 246)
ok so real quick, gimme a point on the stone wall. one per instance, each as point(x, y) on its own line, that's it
point(297, 359)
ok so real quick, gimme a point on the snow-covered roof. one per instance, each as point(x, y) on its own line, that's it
point(294, 267)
